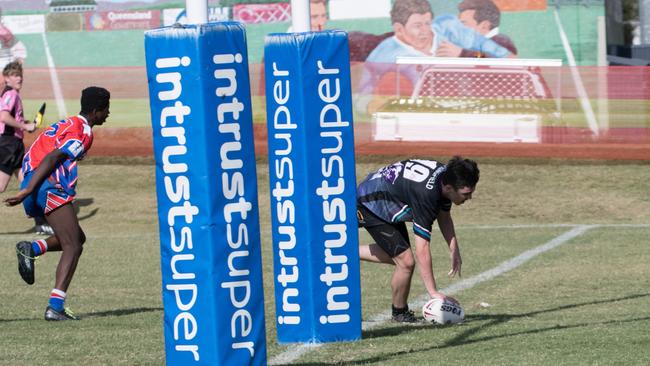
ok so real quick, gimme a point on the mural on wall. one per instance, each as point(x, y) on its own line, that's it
point(447, 28)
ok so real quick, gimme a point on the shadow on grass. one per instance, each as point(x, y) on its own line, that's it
point(83, 202)
point(488, 321)
point(121, 312)
point(98, 314)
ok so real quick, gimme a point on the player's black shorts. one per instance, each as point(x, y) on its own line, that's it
point(393, 238)
point(12, 151)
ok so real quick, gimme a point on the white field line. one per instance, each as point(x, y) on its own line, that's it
point(297, 351)
point(577, 79)
point(542, 226)
point(56, 86)
point(460, 227)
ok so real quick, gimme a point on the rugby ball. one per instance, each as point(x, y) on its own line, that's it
point(441, 312)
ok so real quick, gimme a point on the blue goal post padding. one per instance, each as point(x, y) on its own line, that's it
point(206, 187)
point(313, 187)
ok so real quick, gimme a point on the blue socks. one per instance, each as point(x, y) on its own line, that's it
point(57, 299)
point(39, 247)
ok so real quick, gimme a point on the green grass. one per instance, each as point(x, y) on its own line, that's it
point(583, 303)
point(135, 112)
point(132, 112)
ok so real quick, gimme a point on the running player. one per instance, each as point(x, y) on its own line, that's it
point(420, 191)
point(12, 125)
point(50, 169)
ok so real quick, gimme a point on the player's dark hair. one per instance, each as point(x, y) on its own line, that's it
point(484, 10)
point(403, 9)
point(461, 173)
point(94, 98)
point(13, 68)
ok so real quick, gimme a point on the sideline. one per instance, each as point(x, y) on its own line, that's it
point(56, 85)
point(585, 103)
point(294, 353)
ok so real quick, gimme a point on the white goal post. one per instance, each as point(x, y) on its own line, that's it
point(470, 99)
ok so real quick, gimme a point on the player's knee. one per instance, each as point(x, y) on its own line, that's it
point(77, 250)
point(73, 249)
point(405, 261)
point(410, 265)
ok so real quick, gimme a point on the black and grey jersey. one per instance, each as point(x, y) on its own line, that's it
point(409, 190)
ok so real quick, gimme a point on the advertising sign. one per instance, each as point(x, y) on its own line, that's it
point(116, 20)
point(206, 188)
point(313, 187)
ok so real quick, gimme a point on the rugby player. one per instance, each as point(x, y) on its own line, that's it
point(421, 191)
point(48, 189)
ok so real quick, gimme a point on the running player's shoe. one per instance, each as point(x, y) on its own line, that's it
point(25, 256)
point(53, 315)
point(44, 229)
point(405, 317)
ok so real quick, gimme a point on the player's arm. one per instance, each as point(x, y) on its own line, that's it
point(446, 225)
point(41, 173)
point(8, 119)
point(423, 260)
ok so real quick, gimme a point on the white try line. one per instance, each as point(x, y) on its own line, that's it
point(294, 353)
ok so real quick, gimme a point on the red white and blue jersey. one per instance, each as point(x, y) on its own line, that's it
point(74, 137)
point(12, 103)
point(409, 190)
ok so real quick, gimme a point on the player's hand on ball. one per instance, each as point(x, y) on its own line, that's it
point(443, 297)
point(441, 312)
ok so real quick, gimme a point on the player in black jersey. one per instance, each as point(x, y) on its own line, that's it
point(420, 191)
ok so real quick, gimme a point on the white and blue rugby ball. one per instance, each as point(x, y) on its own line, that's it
point(441, 312)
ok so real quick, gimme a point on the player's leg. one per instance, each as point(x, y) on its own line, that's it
point(12, 151)
point(374, 253)
point(42, 227)
point(26, 251)
point(4, 180)
point(392, 246)
point(69, 239)
point(401, 280)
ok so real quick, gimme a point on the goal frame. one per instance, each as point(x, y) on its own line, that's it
point(466, 126)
